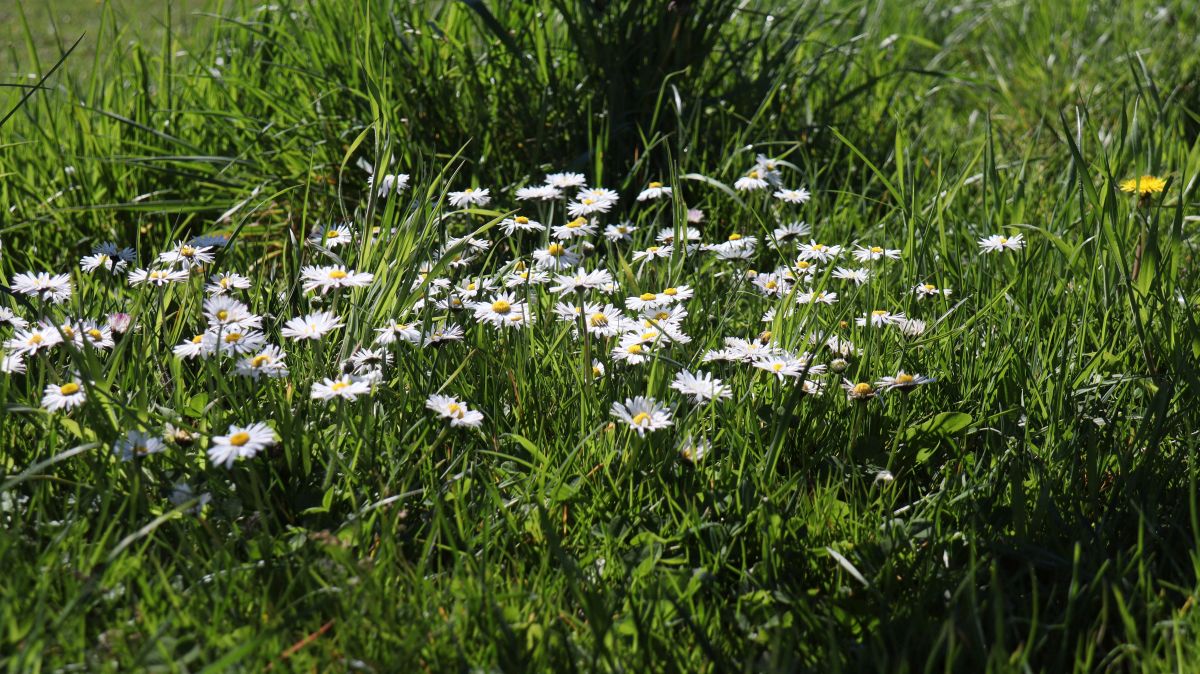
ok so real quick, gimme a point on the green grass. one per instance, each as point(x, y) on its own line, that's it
point(1042, 514)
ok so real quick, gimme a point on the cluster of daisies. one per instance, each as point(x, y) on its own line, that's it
point(547, 266)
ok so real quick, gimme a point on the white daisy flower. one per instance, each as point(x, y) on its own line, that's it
point(797, 196)
point(443, 335)
point(313, 326)
point(654, 191)
point(605, 321)
point(911, 327)
point(500, 310)
point(668, 234)
point(520, 223)
point(787, 366)
point(859, 392)
point(95, 335)
point(470, 197)
point(240, 442)
point(923, 290)
point(772, 285)
point(998, 243)
point(878, 319)
point(693, 450)
point(903, 381)
point(653, 253)
point(858, 276)
point(581, 280)
point(228, 313)
point(587, 206)
point(232, 341)
point(136, 444)
point(29, 341)
point(7, 316)
point(331, 277)
point(695, 215)
point(455, 411)
point(643, 414)
point(539, 193)
point(332, 237)
point(63, 396)
point(819, 252)
point(566, 180)
point(55, 289)
point(396, 330)
point(156, 277)
point(225, 282)
point(747, 350)
point(632, 350)
point(397, 182)
point(620, 232)
point(191, 348)
point(751, 182)
point(811, 296)
point(266, 362)
point(187, 256)
point(109, 257)
point(701, 387)
point(863, 254)
point(525, 277)
point(556, 256)
point(578, 228)
point(345, 387)
point(792, 230)
point(12, 363)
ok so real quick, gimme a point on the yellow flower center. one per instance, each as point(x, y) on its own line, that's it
point(646, 297)
point(69, 388)
point(68, 332)
point(671, 292)
point(222, 315)
point(930, 287)
point(652, 249)
point(197, 339)
point(471, 285)
point(455, 410)
point(662, 315)
point(187, 251)
point(876, 249)
point(469, 190)
point(818, 246)
point(641, 419)
point(803, 264)
point(753, 174)
point(239, 439)
point(576, 223)
point(862, 389)
point(516, 318)
point(599, 319)
point(777, 367)
point(1003, 240)
point(233, 338)
point(905, 378)
point(655, 185)
point(95, 334)
point(556, 249)
point(521, 220)
point(339, 386)
point(501, 307)
point(649, 335)
point(35, 339)
point(879, 312)
point(634, 348)
point(337, 274)
point(260, 360)
point(596, 371)
point(735, 237)
point(589, 201)
point(771, 285)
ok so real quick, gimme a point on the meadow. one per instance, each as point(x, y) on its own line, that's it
point(600, 335)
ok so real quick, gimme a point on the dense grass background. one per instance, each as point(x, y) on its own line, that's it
point(1049, 524)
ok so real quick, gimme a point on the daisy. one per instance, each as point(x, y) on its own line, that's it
point(55, 289)
point(858, 276)
point(619, 232)
point(336, 276)
point(864, 254)
point(7, 316)
point(750, 182)
point(566, 180)
point(191, 348)
point(912, 327)
point(701, 387)
point(555, 256)
point(791, 230)
point(631, 349)
point(786, 366)
point(581, 280)
point(12, 363)
point(819, 252)
point(731, 250)
point(29, 341)
point(642, 414)
point(345, 387)
point(903, 381)
point(597, 369)
point(156, 277)
point(332, 237)
point(396, 330)
point(539, 193)
point(694, 450)
point(228, 313)
point(95, 335)
point(108, 257)
point(1144, 185)
point(120, 322)
point(500, 310)
point(187, 255)
point(860, 392)
point(816, 297)
point(136, 444)
point(240, 442)
point(396, 181)
point(313, 326)
point(878, 319)
point(668, 234)
point(455, 411)
point(798, 196)
point(695, 216)
point(804, 268)
point(605, 321)
point(643, 301)
point(653, 191)
point(598, 194)
point(998, 243)
point(588, 206)
point(63, 396)
point(653, 252)
point(232, 341)
point(220, 284)
point(923, 290)
point(772, 285)
point(470, 197)
point(267, 362)
point(578, 228)
point(520, 223)
point(747, 350)
point(439, 336)
point(526, 277)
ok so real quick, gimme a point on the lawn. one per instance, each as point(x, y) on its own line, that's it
point(569, 335)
